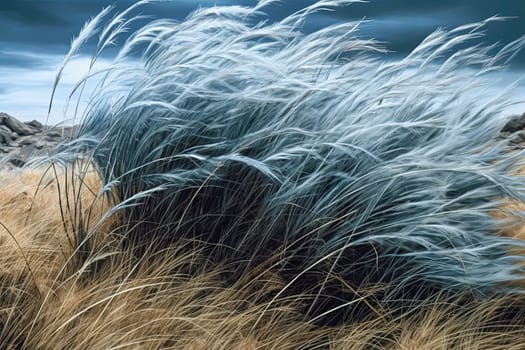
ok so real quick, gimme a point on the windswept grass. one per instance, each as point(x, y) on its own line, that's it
point(262, 141)
point(178, 298)
point(237, 184)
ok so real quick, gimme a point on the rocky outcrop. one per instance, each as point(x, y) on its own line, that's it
point(514, 131)
point(19, 141)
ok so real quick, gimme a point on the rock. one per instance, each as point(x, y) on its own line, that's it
point(5, 135)
point(5, 129)
point(26, 140)
point(514, 132)
point(35, 124)
point(21, 141)
point(15, 125)
point(53, 134)
point(516, 123)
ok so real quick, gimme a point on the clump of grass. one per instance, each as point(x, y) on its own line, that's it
point(261, 141)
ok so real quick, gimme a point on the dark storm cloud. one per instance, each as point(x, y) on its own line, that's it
point(404, 23)
point(48, 26)
point(34, 12)
point(35, 36)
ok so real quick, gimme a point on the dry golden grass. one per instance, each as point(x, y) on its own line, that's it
point(58, 292)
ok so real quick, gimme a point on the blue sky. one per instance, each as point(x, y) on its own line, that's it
point(35, 36)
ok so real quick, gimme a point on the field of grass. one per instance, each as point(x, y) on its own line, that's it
point(60, 293)
point(236, 184)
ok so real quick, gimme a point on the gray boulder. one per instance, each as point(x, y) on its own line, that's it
point(20, 141)
point(5, 135)
point(16, 126)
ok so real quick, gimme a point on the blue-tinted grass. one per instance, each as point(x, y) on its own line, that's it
point(261, 141)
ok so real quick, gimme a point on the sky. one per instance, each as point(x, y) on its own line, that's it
point(35, 36)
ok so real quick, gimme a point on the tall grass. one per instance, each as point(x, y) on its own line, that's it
point(261, 141)
point(176, 299)
point(265, 188)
